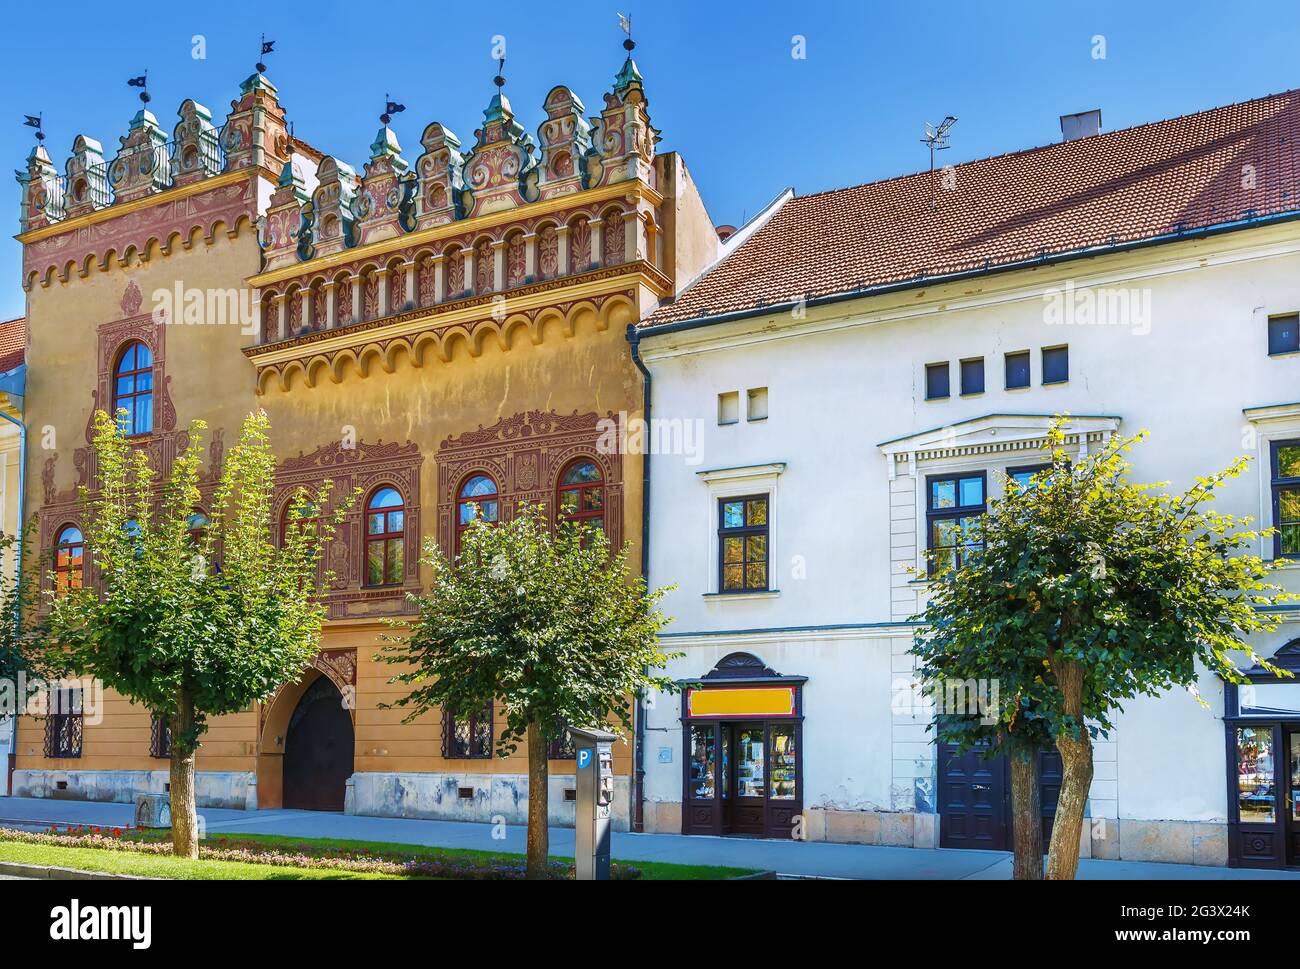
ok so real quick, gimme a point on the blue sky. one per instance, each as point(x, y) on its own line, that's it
point(748, 117)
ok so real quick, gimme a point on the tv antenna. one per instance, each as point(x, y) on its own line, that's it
point(936, 137)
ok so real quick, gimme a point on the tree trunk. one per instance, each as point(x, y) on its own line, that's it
point(185, 814)
point(1076, 775)
point(1026, 816)
point(539, 844)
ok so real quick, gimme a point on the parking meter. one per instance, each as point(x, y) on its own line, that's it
point(594, 756)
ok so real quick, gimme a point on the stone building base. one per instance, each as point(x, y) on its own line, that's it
point(469, 797)
point(1178, 842)
point(212, 789)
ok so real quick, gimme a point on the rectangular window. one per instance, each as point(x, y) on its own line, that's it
point(742, 544)
point(1283, 334)
point(954, 505)
point(729, 407)
point(1056, 365)
point(467, 737)
point(1017, 370)
point(1286, 499)
point(936, 381)
point(1256, 798)
point(1024, 476)
point(972, 376)
point(756, 404)
point(160, 739)
point(63, 723)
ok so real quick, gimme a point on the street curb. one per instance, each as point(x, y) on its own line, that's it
point(52, 873)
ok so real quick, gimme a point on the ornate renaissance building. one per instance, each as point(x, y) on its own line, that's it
point(444, 333)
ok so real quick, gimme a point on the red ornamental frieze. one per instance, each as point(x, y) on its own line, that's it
point(225, 204)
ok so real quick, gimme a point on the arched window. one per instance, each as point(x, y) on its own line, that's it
point(477, 498)
point(133, 389)
point(196, 525)
point(301, 516)
point(69, 559)
point(582, 493)
point(385, 538)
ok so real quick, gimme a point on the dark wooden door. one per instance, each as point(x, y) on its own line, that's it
point(973, 811)
point(1290, 805)
point(1049, 790)
point(318, 750)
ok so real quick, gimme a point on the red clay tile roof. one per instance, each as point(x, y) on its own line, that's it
point(1115, 187)
point(13, 343)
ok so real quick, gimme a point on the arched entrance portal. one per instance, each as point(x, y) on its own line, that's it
point(318, 749)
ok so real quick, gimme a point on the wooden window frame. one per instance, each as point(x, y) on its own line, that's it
point(745, 531)
point(581, 489)
point(958, 510)
point(385, 538)
point(69, 570)
point(1278, 484)
point(462, 501)
point(121, 400)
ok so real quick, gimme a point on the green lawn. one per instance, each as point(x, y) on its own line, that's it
point(649, 869)
point(160, 866)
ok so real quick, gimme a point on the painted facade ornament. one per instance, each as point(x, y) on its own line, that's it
point(279, 230)
point(141, 167)
point(624, 140)
point(131, 299)
point(440, 182)
point(86, 181)
point(548, 253)
point(42, 191)
point(196, 153)
point(613, 239)
point(483, 267)
point(516, 261)
point(580, 246)
point(455, 274)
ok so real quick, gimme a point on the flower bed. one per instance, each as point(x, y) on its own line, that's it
point(428, 865)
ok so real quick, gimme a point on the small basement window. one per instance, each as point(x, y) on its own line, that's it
point(466, 793)
point(570, 794)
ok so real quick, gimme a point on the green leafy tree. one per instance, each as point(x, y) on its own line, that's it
point(548, 625)
point(191, 623)
point(1091, 590)
point(19, 593)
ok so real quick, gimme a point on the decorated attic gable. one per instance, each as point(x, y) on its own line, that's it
point(500, 173)
point(624, 137)
point(565, 137)
point(439, 171)
point(196, 153)
point(384, 190)
point(335, 197)
point(86, 184)
point(281, 231)
point(256, 133)
point(42, 190)
point(141, 167)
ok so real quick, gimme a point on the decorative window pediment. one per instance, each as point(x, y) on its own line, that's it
point(994, 436)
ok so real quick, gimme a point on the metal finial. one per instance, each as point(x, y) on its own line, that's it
point(34, 121)
point(141, 81)
point(625, 23)
point(268, 47)
point(500, 79)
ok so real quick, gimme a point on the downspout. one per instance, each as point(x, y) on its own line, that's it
point(638, 743)
point(18, 576)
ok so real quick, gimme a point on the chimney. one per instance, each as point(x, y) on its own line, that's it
point(725, 232)
point(1085, 124)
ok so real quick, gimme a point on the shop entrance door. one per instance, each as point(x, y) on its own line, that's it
point(1291, 733)
point(748, 757)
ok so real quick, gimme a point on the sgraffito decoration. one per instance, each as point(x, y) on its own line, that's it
point(365, 466)
point(524, 455)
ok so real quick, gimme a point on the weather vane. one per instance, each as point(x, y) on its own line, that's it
point(390, 108)
point(625, 23)
point(34, 121)
point(142, 82)
point(268, 47)
point(500, 79)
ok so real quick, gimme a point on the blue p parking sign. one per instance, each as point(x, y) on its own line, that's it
point(584, 757)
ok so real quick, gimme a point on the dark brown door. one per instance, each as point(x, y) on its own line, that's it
point(1291, 803)
point(1049, 789)
point(318, 750)
point(972, 800)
